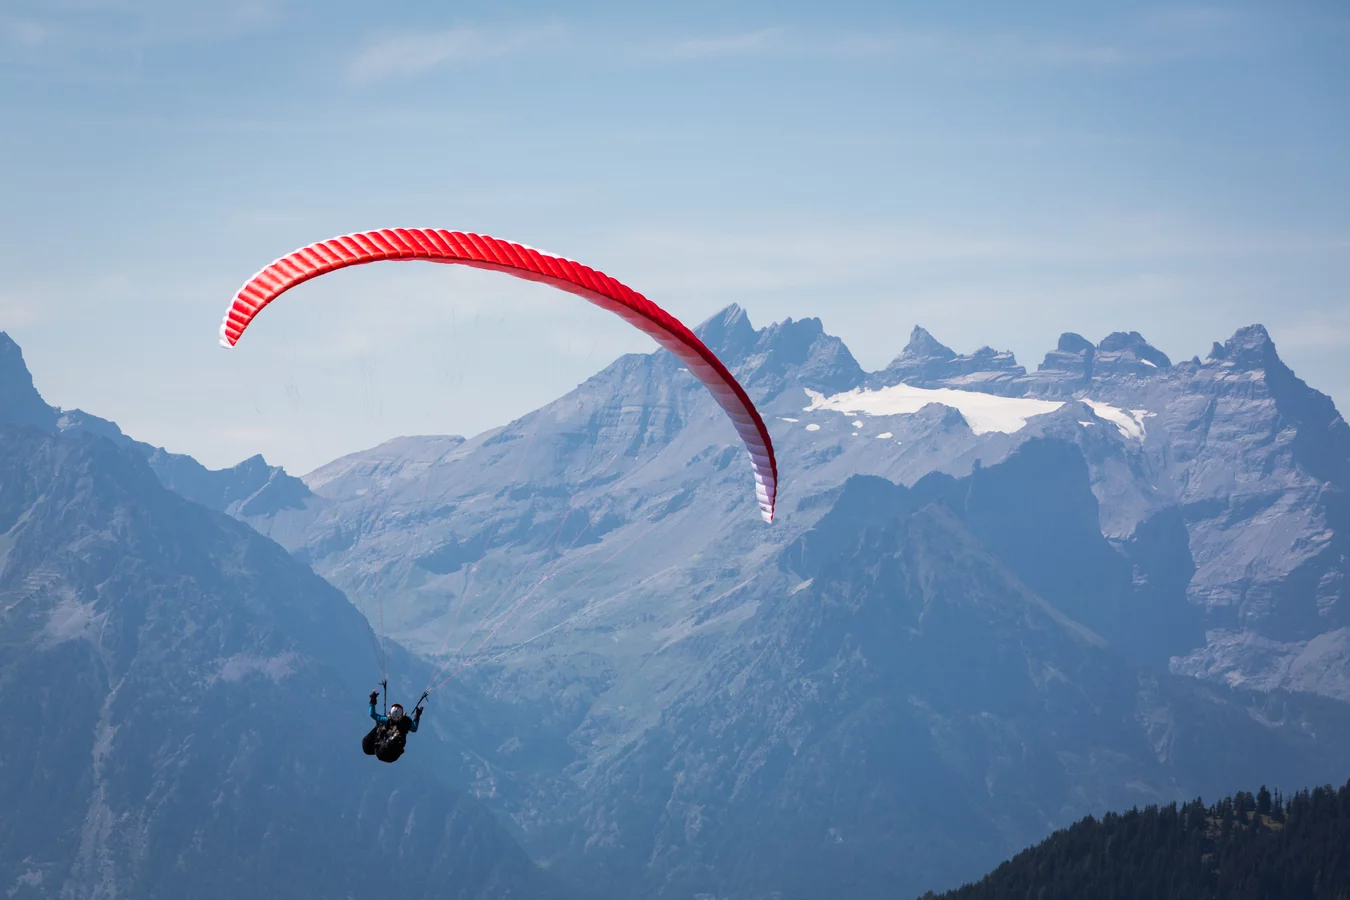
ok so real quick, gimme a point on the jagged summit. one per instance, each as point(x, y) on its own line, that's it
point(1073, 343)
point(1133, 342)
point(1075, 359)
point(1070, 361)
point(1074, 363)
point(1250, 347)
point(922, 345)
point(1322, 441)
point(801, 351)
point(926, 362)
point(728, 333)
point(20, 402)
point(1127, 353)
point(766, 357)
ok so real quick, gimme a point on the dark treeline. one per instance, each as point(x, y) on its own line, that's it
point(1260, 846)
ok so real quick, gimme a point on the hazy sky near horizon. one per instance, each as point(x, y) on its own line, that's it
point(998, 173)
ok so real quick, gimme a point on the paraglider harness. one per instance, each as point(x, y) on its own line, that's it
point(387, 739)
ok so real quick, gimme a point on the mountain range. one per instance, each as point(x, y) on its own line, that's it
point(994, 601)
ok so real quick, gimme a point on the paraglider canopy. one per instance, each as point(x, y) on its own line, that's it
point(483, 252)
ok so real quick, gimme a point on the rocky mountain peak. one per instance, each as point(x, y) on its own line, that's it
point(793, 337)
point(922, 345)
point(1070, 361)
point(728, 333)
point(925, 362)
point(1073, 343)
point(1250, 347)
point(1075, 359)
point(255, 465)
point(20, 403)
point(796, 350)
point(1322, 441)
point(250, 488)
point(1132, 343)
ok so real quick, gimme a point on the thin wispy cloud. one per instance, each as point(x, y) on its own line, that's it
point(898, 45)
point(26, 32)
point(1194, 18)
point(403, 54)
point(94, 40)
point(1181, 34)
point(412, 53)
point(996, 48)
point(1055, 52)
point(747, 44)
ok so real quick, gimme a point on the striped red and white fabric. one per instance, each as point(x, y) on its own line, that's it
point(483, 252)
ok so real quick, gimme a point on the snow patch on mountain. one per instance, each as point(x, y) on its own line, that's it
point(1129, 422)
point(983, 412)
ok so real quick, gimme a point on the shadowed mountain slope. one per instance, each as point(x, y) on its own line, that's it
point(188, 708)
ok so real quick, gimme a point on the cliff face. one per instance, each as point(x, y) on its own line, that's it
point(900, 710)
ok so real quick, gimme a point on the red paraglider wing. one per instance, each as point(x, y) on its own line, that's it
point(483, 252)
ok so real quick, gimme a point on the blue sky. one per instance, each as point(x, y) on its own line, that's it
point(998, 173)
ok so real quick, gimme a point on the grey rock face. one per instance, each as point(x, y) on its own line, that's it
point(899, 711)
point(1255, 464)
point(798, 352)
point(1128, 353)
point(1070, 361)
point(187, 719)
point(1075, 362)
point(1036, 512)
point(923, 346)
